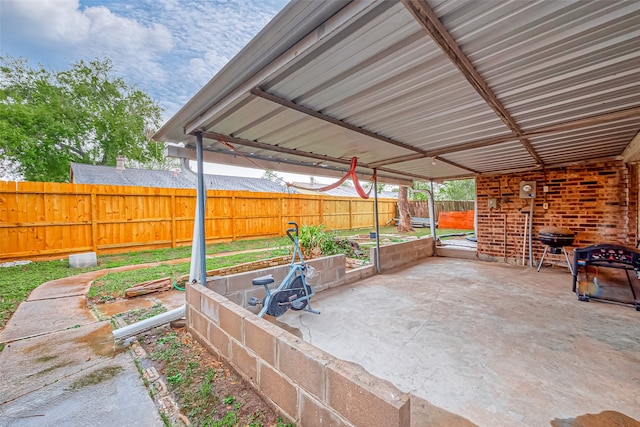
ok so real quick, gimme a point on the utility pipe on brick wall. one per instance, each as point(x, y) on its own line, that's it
point(531, 234)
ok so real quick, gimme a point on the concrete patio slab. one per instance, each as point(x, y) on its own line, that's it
point(495, 344)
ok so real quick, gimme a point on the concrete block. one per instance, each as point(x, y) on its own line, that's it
point(315, 414)
point(245, 361)
point(87, 259)
point(238, 298)
point(220, 340)
point(217, 285)
point(210, 308)
point(197, 322)
point(304, 364)
point(260, 336)
point(362, 398)
point(462, 253)
point(193, 295)
point(282, 392)
point(231, 317)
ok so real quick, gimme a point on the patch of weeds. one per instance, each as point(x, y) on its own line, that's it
point(133, 316)
point(175, 379)
point(207, 390)
point(96, 377)
point(165, 419)
point(284, 424)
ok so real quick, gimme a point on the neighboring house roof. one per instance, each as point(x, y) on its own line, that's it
point(341, 191)
point(108, 175)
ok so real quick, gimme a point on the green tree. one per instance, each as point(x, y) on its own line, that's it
point(83, 114)
point(462, 189)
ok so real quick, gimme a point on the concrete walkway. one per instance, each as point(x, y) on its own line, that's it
point(60, 366)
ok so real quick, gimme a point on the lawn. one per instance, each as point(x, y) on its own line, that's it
point(17, 282)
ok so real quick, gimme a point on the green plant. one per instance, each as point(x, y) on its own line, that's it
point(283, 424)
point(229, 400)
point(175, 379)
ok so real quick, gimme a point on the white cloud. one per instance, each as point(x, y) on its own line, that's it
point(168, 48)
point(90, 32)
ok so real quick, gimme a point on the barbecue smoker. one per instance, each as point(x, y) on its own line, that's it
point(556, 239)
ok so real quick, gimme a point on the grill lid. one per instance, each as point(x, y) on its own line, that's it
point(555, 232)
point(556, 237)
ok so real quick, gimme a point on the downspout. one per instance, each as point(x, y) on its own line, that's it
point(375, 219)
point(192, 176)
point(188, 172)
point(198, 256)
point(202, 200)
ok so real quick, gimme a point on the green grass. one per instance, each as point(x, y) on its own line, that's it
point(17, 282)
point(114, 284)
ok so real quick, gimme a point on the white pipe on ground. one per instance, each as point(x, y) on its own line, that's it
point(150, 323)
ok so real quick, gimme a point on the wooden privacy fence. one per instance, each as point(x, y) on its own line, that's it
point(49, 219)
point(420, 208)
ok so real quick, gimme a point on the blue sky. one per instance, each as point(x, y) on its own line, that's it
point(167, 48)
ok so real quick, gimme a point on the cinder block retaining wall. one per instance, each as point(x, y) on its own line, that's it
point(330, 272)
point(306, 384)
point(303, 382)
point(399, 254)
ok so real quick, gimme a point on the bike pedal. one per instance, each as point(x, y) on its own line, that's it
point(253, 301)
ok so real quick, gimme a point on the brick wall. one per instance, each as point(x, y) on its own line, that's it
point(598, 202)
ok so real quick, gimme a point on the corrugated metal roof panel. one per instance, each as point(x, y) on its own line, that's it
point(506, 156)
point(374, 66)
point(393, 80)
point(551, 62)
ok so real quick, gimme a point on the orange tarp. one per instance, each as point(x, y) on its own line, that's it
point(459, 220)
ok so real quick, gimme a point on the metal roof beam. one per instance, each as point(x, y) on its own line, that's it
point(263, 146)
point(313, 113)
point(432, 25)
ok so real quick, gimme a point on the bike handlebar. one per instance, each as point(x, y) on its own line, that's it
point(290, 230)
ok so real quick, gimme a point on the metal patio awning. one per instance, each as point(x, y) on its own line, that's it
point(424, 90)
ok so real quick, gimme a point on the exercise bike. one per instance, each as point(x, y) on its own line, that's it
point(293, 292)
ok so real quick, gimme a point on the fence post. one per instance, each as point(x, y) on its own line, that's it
point(173, 218)
point(350, 216)
point(234, 236)
point(280, 212)
point(94, 220)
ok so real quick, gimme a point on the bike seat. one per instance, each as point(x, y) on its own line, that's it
point(262, 281)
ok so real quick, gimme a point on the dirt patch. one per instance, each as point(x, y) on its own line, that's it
point(207, 391)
